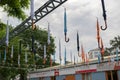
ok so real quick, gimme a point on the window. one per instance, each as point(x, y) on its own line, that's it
point(111, 75)
point(86, 76)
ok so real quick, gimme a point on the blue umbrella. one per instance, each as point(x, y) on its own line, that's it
point(65, 26)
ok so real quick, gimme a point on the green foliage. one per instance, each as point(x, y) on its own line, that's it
point(35, 61)
point(15, 7)
point(40, 37)
point(115, 43)
point(2, 29)
point(10, 68)
point(107, 51)
point(7, 73)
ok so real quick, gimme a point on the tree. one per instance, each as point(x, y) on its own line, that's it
point(5, 72)
point(2, 29)
point(40, 36)
point(40, 39)
point(15, 8)
point(10, 68)
point(115, 43)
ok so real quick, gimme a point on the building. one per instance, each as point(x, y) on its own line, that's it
point(93, 71)
point(94, 53)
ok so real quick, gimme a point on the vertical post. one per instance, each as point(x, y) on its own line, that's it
point(111, 75)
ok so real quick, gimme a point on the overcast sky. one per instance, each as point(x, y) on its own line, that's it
point(81, 16)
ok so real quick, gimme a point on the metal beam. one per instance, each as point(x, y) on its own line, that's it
point(44, 10)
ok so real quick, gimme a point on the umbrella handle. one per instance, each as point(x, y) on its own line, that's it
point(104, 27)
point(79, 55)
point(66, 39)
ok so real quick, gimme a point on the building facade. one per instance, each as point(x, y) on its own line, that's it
point(94, 53)
point(93, 71)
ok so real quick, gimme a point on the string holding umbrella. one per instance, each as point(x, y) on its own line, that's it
point(65, 26)
point(104, 16)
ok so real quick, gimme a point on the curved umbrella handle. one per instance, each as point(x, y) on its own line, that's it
point(66, 39)
point(104, 27)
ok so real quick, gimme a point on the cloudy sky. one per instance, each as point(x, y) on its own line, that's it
point(81, 16)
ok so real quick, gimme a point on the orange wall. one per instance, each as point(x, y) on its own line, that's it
point(70, 77)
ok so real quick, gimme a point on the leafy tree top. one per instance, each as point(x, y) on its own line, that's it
point(15, 8)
